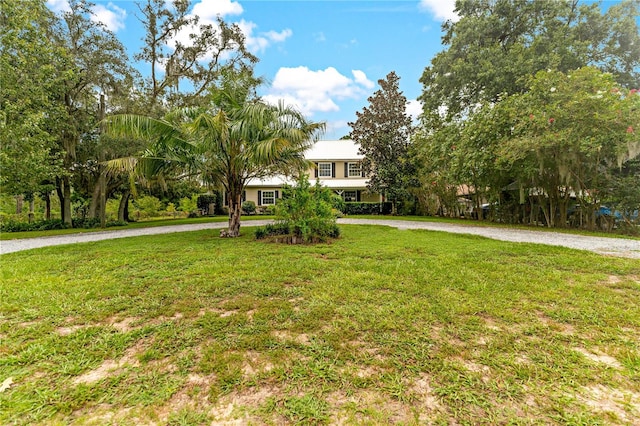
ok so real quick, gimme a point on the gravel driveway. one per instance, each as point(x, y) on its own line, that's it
point(603, 245)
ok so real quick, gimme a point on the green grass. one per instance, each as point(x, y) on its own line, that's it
point(381, 326)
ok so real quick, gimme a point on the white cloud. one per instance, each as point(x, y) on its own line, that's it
point(210, 9)
point(442, 10)
point(59, 5)
point(319, 37)
point(110, 15)
point(316, 91)
point(259, 42)
point(414, 109)
point(279, 37)
point(361, 78)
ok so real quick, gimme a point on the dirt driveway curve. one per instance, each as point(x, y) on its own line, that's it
point(602, 245)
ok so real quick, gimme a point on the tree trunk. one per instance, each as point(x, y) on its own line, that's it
point(64, 194)
point(103, 199)
point(32, 205)
point(47, 204)
point(122, 208)
point(235, 211)
point(19, 201)
point(95, 201)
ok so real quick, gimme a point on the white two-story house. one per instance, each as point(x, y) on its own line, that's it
point(336, 164)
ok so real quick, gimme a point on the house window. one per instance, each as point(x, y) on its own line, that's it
point(355, 170)
point(350, 196)
point(268, 198)
point(324, 170)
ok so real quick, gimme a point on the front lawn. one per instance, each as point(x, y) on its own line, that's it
point(381, 326)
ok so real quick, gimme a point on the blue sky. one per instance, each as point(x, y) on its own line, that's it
point(324, 57)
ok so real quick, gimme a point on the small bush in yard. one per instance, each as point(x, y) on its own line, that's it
point(303, 215)
point(249, 207)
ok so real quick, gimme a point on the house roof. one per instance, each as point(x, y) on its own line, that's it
point(344, 149)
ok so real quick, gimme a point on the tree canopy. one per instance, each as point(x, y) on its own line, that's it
point(231, 141)
point(382, 130)
point(497, 44)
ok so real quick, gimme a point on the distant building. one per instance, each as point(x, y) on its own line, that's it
point(336, 164)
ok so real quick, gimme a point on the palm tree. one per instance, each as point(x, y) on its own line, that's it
point(227, 144)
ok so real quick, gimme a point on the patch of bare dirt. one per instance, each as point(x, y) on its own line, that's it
point(301, 338)
point(238, 407)
point(254, 363)
point(623, 405)
point(613, 279)
point(599, 357)
point(490, 323)
point(426, 401)
point(562, 328)
point(361, 347)
point(192, 397)
point(483, 370)
point(123, 325)
point(110, 366)
point(65, 331)
point(104, 414)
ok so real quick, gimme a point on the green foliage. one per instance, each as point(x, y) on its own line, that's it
point(383, 132)
point(43, 225)
point(189, 205)
point(304, 213)
point(232, 140)
point(205, 200)
point(360, 208)
point(249, 207)
point(148, 206)
point(570, 132)
point(53, 224)
point(28, 79)
point(563, 139)
point(496, 45)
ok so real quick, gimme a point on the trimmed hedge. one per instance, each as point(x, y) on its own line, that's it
point(367, 208)
point(48, 225)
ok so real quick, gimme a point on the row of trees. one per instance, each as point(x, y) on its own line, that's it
point(62, 74)
point(532, 107)
point(77, 118)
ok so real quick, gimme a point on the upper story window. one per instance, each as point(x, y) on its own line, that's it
point(268, 198)
point(354, 170)
point(324, 170)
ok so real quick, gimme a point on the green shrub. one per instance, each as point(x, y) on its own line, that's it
point(304, 214)
point(205, 201)
point(148, 206)
point(367, 208)
point(41, 225)
point(86, 223)
point(48, 225)
point(249, 207)
point(189, 205)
